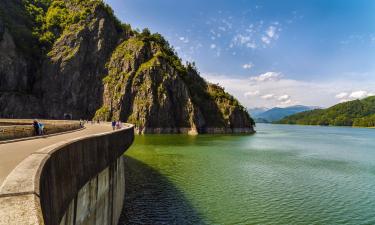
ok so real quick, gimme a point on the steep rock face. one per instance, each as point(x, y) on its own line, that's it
point(17, 76)
point(74, 68)
point(147, 85)
point(143, 88)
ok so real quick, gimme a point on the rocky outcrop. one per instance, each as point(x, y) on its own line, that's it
point(81, 61)
point(147, 85)
point(74, 68)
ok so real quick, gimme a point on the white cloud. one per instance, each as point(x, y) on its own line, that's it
point(270, 34)
point(184, 40)
point(244, 40)
point(255, 35)
point(212, 46)
point(341, 95)
point(358, 94)
point(251, 93)
point(283, 98)
point(241, 39)
point(251, 45)
point(267, 96)
point(247, 66)
point(266, 40)
point(222, 28)
point(269, 76)
point(345, 96)
point(288, 102)
point(271, 31)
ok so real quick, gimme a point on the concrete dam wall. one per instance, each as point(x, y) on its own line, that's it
point(78, 181)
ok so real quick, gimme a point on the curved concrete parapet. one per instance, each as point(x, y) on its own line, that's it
point(78, 181)
point(20, 128)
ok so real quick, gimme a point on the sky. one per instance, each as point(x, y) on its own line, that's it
point(269, 53)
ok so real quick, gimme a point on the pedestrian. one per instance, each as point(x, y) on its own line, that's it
point(113, 125)
point(41, 128)
point(36, 127)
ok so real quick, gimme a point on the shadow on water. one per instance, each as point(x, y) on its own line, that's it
point(150, 198)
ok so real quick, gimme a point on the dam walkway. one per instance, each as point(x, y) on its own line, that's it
point(71, 178)
point(13, 153)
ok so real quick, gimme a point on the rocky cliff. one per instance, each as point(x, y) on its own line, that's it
point(72, 57)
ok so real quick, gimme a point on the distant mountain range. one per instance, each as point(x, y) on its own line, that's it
point(265, 115)
point(359, 113)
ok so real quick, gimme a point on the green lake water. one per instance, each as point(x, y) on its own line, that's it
point(281, 175)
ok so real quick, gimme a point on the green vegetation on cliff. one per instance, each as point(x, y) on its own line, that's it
point(353, 113)
point(36, 24)
point(148, 85)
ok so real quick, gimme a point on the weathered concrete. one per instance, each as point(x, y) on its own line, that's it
point(99, 200)
point(78, 181)
point(11, 129)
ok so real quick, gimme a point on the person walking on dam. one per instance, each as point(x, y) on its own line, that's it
point(41, 128)
point(113, 124)
point(36, 127)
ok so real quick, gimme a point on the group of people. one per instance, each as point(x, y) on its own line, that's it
point(116, 125)
point(38, 128)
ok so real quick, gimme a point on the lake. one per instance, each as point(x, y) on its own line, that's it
point(283, 174)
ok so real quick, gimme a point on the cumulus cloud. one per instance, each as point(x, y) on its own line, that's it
point(212, 46)
point(283, 98)
point(247, 66)
point(341, 95)
point(251, 93)
point(269, 76)
point(348, 96)
point(255, 91)
point(287, 103)
point(267, 96)
point(358, 94)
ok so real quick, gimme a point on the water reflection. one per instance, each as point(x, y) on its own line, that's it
point(150, 198)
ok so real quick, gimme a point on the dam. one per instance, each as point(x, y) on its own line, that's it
point(73, 176)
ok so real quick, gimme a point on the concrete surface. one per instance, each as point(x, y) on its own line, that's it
point(12, 154)
point(69, 179)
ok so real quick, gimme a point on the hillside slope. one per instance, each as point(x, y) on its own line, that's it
point(277, 113)
point(62, 58)
point(352, 113)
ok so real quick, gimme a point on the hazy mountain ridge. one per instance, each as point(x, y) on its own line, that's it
point(264, 115)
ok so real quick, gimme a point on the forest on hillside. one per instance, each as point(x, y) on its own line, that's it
point(358, 113)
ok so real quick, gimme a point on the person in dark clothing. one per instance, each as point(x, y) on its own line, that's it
point(36, 127)
point(113, 125)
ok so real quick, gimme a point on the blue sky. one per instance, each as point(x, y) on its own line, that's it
point(269, 53)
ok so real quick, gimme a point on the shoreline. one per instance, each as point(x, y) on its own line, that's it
point(316, 125)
